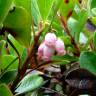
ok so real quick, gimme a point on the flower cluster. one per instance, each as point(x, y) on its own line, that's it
point(51, 44)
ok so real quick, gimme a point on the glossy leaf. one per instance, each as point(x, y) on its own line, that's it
point(45, 7)
point(25, 4)
point(4, 9)
point(8, 76)
point(35, 12)
point(80, 25)
point(65, 57)
point(67, 7)
point(29, 83)
point(94, 40)
point(6, 60)
point(72, 23)
point(94, 11)
point(24, 56)
point(5, 91)
point(19, 25)
point(88, 61)
point(17, 45)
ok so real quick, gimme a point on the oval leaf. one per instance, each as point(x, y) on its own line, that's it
point(88, 61)
point(29, 83)
point(4, 90)
point(19, 25)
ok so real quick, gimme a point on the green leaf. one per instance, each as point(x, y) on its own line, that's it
point(19, 25)
point(94, 40)
point(5, 91)
point(67, 7)
point(4, 9)
point(81, 23)
point(88, 61)
point(93, 20)
point(93, 4)
point(35, 12)
point(6, 60)
point(66, 58)
point(1, 46)
point(72, 23)
point(25, 4)
point(17, 45)
point(29, 83)
point(94, 11)
point(8, 76)
point(24, 56)
point(45, 7)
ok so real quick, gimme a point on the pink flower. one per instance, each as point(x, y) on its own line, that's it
point(47, 53)
point(40, 50)
point(50, 39)
point(59, 47)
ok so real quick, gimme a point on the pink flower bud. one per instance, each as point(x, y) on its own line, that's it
point(50, 39)
point(47, 53)
point(40, 50)
point(59, 47)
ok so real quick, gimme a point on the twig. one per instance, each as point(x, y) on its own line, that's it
point(40, 65)
point(74, 93)
point(64, 23)
point(22, 72)
point(31, 53)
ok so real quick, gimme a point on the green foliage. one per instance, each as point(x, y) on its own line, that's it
point(94, 11)
point(62, 60)
point(93, 4)
point(80, 25)
point(24, 3)
point(24, 56)
point(93, 20)
point(65, 57)
point(88, 61)
point(8, 76)
point(67, 7)
point(1, 46)
point(29, 83)
point(6, 61)
point(17, 45)
point(35, 12)
point(4, 9)
point(19, 24)
point(4, 90)
point(94, 40)
point(45, 7)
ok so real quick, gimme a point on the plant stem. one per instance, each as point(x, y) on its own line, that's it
point(38, 66)
point(64, 23)
point(22, 71)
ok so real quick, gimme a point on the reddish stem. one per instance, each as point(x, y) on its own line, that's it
point(64, 23)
